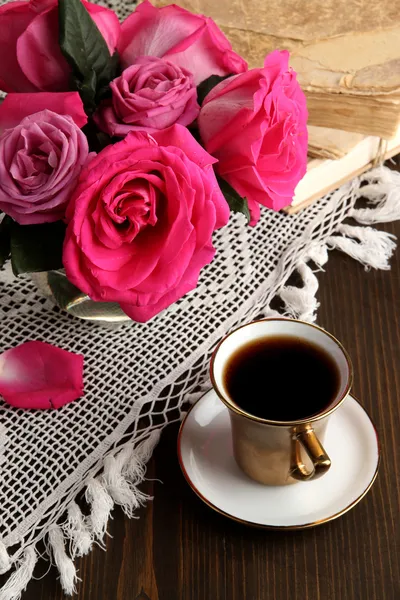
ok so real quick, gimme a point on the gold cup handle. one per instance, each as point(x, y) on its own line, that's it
point(319, 458)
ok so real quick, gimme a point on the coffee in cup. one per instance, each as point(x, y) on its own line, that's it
point(281, 379)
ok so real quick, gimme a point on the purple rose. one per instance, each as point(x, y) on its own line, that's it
point(40, 161)
point(150, 95)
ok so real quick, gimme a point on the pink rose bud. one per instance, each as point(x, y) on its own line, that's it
point(41, 157)
point(255, 124)
point(151, 94)
point(31, 57)
point(190, 41)
point(141, 220)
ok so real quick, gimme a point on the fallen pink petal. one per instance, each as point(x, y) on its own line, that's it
point(37, 375)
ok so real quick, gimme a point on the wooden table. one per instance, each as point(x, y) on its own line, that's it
point(180, 550)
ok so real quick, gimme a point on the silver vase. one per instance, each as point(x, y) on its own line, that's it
point(55, 286)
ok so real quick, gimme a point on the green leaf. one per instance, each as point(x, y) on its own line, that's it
point(87, 91)
point(5, 227)
point(207, 85)
point(36, 248)
point(236, 203)
point(86, 52)
point(110, 72)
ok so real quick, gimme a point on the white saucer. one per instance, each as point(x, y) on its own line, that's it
point(206, 458)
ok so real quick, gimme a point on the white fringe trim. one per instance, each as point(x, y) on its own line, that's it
point(63, 562)
point(119, 484)
point(124, 471)
point(20, 578)
point(301, 303)
point(102, 504)
point(5, 562)
point(270, 313)
point(383, 194)
point(370, 247)
point(76, 529)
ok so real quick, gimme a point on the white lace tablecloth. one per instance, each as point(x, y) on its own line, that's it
point(138, 376)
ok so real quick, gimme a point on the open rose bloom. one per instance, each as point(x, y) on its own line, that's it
point(110, 148)
point(255, 124)
point(141, 220)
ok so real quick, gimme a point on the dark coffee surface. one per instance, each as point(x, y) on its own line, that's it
point(281, 378)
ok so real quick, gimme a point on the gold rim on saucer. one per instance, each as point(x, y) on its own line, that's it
point(276, 527)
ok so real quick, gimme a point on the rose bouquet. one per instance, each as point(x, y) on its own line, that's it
point(123, 147)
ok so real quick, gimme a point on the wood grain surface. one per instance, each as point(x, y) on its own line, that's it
point(180, 550)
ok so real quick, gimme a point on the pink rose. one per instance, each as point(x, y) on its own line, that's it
point(141, 220)
point(41, 156)
point(32, 59)
point(192, 42)
point(152, 94)
point(255, 124)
